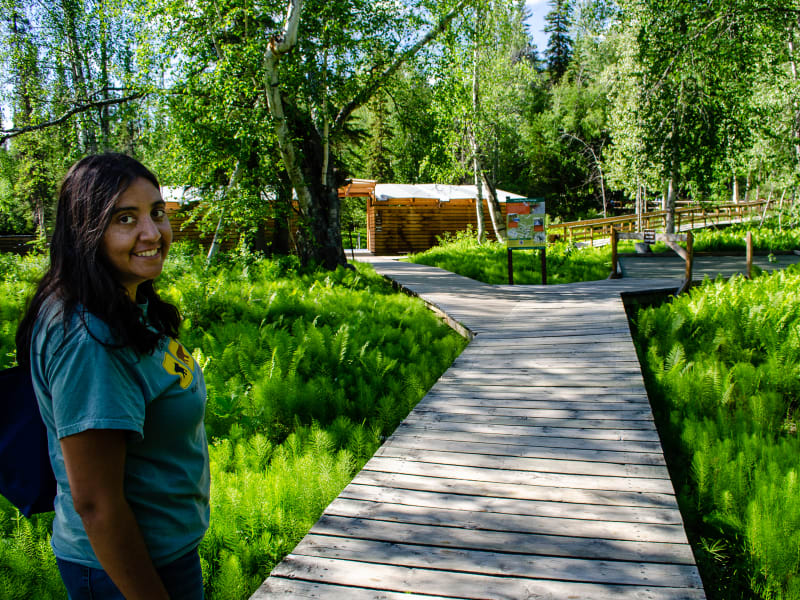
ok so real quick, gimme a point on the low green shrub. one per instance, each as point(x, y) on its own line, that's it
point(723, 372)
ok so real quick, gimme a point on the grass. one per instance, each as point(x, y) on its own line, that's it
point(488, 262)
point(307, 372)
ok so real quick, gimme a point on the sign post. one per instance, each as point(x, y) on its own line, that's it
point(525, 230)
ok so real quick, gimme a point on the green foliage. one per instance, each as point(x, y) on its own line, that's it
point(769, 237)
point(723, 370)
point(19, 276)
point(307, 371)
point(463, 254)
point(27, 565)
point(265, 498)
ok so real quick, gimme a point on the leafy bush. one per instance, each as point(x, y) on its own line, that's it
point(306, 372)
point(723, 370)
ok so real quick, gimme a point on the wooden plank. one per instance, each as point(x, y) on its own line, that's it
point(521, 491)
point(523, 463)
point(514, 364)
point(551, 424)
point(427, 443)
point(643, 414)
point(446, 401)
point(532, 332)
point(533, 377)
point(561, 394)
point(448, 432)
point(589, 482)
point(576, 433)
point(505, 564)
point(575, 346)
point(464, 585)
point(492, 504)
point(532, 390)
point(531, 340)
point(279, 587)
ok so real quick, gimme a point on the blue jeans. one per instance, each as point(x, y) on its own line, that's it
point(183, 579)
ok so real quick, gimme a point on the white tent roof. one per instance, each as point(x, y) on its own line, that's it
point(443, 193)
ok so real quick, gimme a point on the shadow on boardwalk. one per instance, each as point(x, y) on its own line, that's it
point(532, 468)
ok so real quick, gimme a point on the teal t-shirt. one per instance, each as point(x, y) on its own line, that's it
point(159, 398)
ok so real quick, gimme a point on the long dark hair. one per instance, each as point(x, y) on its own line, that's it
point(79, 271)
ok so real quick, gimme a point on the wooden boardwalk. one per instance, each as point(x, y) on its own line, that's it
point(532, 469)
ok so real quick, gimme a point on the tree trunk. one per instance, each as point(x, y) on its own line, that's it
point(105, 120)
point(735, 189)
point(473, 142)
point(495, 211)
point(216, 242)
point(796, 126)
point(674, 180)
point(639, 209)
point(479, 198)
point(78, 67)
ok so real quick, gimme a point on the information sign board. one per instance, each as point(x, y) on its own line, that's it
point(525, 223)
point(649, 236)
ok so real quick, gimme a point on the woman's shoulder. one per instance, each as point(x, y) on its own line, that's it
point(74, 324)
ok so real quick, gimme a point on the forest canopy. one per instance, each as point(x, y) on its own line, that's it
point(265, 108)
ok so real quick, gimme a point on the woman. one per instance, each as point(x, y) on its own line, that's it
point(122, 400)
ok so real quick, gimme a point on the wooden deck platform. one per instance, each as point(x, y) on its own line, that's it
point(532, 469)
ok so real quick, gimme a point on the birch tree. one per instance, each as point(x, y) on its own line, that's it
point(347, 67)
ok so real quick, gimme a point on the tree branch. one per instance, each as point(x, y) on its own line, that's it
point(7, 134)
point(367, 91)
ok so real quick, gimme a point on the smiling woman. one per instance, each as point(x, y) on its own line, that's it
point(122, 399)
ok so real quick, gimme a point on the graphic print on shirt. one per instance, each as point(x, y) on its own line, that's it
point(178, 361)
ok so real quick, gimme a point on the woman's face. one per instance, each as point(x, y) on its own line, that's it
point(137, 240)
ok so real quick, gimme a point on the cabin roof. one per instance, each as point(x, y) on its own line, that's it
point(434, 191)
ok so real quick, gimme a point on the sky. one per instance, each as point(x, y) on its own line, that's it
point(538, 9)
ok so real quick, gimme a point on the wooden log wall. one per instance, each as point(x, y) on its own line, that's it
point(183, 231)
point(401, 225)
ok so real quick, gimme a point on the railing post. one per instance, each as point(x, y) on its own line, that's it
point(749, 270)
point(689, 256)
point(543, 254)
point(614, 256)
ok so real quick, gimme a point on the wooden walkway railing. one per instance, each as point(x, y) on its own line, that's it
point(687, 218)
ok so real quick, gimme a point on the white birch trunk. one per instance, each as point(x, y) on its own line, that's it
point(216, 242)
point(279, 46)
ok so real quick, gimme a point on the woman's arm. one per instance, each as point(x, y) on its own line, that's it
point(95, 465)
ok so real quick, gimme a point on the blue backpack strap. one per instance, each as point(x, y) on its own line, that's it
point(26, 477)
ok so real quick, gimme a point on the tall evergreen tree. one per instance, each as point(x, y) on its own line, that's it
point(559, 46)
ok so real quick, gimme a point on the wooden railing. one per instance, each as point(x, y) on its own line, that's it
point(598, 231)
